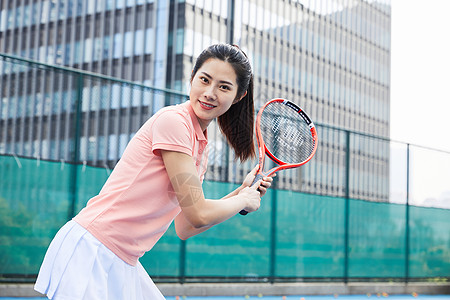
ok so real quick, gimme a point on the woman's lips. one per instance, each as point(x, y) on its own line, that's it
point(206, 105)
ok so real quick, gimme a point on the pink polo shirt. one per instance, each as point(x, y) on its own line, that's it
point(137, 204)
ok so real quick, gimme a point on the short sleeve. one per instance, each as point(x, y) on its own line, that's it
point(171, 131)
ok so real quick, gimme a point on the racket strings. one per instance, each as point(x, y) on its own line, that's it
point(286, 134)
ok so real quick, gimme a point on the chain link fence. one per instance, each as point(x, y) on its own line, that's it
point(365, 207)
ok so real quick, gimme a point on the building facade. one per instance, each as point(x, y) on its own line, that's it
point(331, 57)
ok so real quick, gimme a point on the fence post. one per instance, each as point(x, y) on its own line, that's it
point(407, 237)
point(347, 204)
point(273, 235)
point(230, 28)
point(76, 154)
point(182, 261)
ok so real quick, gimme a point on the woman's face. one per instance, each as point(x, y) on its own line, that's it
point(213, 90)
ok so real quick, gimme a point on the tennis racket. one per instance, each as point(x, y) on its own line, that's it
point(284, 133)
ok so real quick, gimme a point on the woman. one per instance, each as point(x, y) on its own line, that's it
point(157, 181)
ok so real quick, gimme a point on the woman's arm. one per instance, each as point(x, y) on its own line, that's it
point(198, 212)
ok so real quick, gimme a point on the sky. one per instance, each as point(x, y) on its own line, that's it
point(420, 98)
point(420, 72)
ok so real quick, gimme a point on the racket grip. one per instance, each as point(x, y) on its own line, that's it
point(258, 176)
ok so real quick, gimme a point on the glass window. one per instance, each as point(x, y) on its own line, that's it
point(69, 4)
point(106, 48)
point(149, 40)
point(189, 42)
point(101, 147)
point(139, 42)
point(4, 106)
point(245, 12)
point(45, 149)
point(117, 45)
point(3, 20)
point(83, 148)
point(92, 141)
point(112, 147)
point(45, 11)
point(125, 96)
point(116, 95)
point(208, 5)
point(94, 97)
point(53, 12)
point(86, 96)
point(123, 141)
point(252, 15)
point(88, 45)
point(128, 44)
point(80, 7)
point(136, 97)
point(109, 4)
point(120, 4)
point(77, 53)
point(198, 46)
point(216, 6)
point(90, 7)
point(179, 41)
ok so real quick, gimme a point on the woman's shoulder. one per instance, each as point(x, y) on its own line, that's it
point(167, 118)
point(180, 109)
point(174, 113)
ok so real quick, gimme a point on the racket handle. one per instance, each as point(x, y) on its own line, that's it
point(258, 176)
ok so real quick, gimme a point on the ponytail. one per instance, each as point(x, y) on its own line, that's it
point(237, 125)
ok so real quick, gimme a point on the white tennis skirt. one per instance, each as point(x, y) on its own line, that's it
point(77, 266)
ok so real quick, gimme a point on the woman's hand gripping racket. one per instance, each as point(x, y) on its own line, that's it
point(286, 134)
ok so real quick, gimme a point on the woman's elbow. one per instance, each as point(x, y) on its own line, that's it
point(198, 222)
point(196, 218)
point(189, 227)
point(183, 236)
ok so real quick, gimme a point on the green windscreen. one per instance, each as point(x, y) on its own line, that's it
point(293, 235)
point(309, 235)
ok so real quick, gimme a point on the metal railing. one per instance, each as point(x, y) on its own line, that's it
point(362, 197)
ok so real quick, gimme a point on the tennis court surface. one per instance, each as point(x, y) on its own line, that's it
point(383, 296)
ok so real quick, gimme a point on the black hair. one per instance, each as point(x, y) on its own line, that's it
point(237, 123)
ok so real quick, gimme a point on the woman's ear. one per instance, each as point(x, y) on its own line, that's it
point(240, 98)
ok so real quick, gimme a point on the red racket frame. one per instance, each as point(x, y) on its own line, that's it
point(262, 149)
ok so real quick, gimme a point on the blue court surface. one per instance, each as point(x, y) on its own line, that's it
point(299, 297)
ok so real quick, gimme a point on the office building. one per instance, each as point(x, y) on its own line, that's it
point(331, 57)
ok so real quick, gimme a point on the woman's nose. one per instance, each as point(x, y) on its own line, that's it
point(210, 93)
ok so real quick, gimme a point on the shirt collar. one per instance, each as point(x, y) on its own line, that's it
point(201, 136)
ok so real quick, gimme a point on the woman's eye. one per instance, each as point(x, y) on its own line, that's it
point(225, 87)
point(204, 79)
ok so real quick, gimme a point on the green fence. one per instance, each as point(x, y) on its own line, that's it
point(293, 236)
point(364, 208)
